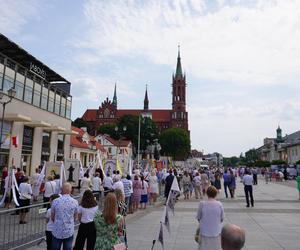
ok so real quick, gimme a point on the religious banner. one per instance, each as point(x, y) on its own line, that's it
point(109, 166)
point(52, 169)
point(72, 170)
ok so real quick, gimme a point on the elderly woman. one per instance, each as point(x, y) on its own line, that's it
point(210, 216)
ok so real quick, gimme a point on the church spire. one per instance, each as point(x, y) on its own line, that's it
point(115, 100)
point(178, 67)
point(146, 100)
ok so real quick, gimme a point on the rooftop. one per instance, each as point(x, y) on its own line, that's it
point(21, 56)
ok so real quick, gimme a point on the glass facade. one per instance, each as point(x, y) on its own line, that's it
point(32, 89)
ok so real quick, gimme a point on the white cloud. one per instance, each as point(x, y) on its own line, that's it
point(15, 14)
point(237, 43)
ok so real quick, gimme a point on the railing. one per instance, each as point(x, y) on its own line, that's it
point(14, 235)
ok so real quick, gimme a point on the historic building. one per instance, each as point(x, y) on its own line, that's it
point(177, 117)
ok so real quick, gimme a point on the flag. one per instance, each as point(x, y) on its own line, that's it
point(166, 220)
point(118, 167)
point(161, 236)
point(15, 141)
point(174, 192)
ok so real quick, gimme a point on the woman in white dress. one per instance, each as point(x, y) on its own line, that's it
point(35, 184)
point(86, 183)
point(153, 183)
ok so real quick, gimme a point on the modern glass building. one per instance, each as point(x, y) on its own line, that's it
point(36, 122)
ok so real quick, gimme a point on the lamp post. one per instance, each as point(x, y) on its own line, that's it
point(3, 100)
point(117, 129)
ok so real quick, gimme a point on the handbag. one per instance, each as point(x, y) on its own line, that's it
point(120, 246)
point(198, 237)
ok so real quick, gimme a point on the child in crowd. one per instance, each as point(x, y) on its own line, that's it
point(49, 222)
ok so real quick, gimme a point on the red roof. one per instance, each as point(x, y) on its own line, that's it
point(119, 143)
point(76, 140)
point(158, 115)
point(90, 115)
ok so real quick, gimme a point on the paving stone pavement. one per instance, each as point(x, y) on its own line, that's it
point(273, 223)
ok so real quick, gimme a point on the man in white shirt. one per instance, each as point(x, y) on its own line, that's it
point(248, 181)
point(49, 190)
point(96, 182)
point(107, 183)
point(118, 184)
point(197, 182)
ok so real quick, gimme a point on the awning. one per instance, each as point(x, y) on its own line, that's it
point(16, 118)
point(69, 132)
point(37, 124)
point(55, 128)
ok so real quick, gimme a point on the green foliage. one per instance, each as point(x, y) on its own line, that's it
point(131, 122)
point(231, 161)
point(80, 123)
point(298, 162)
point(278, 162)
point(108, 129)
point(251, 155)
point(262, 164)
point(175, 142)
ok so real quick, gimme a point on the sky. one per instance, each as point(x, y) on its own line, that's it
point(241, 59)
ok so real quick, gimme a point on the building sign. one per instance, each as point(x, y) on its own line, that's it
point(37, 70)
point(27, 140)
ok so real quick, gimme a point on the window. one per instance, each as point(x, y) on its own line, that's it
point(68, 110)
point(51, 101)
point(109, 150)
point(57, 104)
point(37, 94)
point(8, 83)
point(44, 99)
point(106, 113)
point(63, 106)
point(28, 90)
point(60, 147)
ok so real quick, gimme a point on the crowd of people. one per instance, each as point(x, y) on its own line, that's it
point(125, 194)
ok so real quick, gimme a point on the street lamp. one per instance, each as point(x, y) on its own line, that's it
point(5, 99)
point(117, 129)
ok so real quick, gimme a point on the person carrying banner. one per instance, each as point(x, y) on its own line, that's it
point(35, 184)
point(168, 183)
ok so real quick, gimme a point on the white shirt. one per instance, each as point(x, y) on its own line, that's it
point(49, 188)
point(247, 180)
point(145, 189)
point(119, 185)
point(197, 180)
point(57, 186)
point(108, 182)
point(96, 182)
point(25, 190)
point(49, 225)
point(87, 214)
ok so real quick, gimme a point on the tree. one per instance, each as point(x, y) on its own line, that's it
point(262, 164)
point(175, 142)
point(251, 155)
point(80, 123)
point(231, 161)
point(278, 162)
point(108, 129)
point(148, 132)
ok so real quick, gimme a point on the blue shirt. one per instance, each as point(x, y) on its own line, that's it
point(64, 209)
point(127, 189)
point(226, 177)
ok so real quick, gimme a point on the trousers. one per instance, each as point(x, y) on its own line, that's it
point(249, 192)
point(86, 232)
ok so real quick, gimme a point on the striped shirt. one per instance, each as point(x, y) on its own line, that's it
point(127, 187)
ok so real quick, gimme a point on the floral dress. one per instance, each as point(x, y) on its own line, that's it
point(106, 235)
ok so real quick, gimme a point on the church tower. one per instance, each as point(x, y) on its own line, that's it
point(179, 114)
point(115, 100)
point(146, 100)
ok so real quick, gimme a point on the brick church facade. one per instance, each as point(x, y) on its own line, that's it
point(177, 117)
